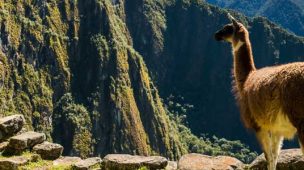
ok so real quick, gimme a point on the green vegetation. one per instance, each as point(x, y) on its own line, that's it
point(25, 90)
point(26, 154)
point(288, 14)
point(35, 161)
point(40, 163)
point(72, 121)
point(88, 74)
point(198, 68)
point(212, 146)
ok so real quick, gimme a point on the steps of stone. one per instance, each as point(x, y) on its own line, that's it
point(48, 150)
point(130, 162)
point(87, 164)
point(27, 140)
point(13, 163)
point(10, 125)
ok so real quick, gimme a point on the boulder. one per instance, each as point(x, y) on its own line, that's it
point(13, 163)
point(26, 140)
point(3, 146)
point(49, 151)
point(87, 164)
point(203, 162)
point(10, 125)
point(67, 160)
point(288, 159)
point(129, 162)
point(23, 130)
point(172, 165)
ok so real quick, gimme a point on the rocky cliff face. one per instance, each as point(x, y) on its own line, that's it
point(70, 68)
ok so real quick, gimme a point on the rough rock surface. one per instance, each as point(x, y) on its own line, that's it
point(87, 164)
point(172, 165)
point(3, 145)
point(23, 130)
point(13, 163)
point(24, 141)
point(129, 162)
point(10, 125)
point(68, 160)
point(289, 159)
point(202, 162)
point(47, 150)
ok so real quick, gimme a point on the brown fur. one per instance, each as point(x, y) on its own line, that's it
point(274, 88)
point(271, 99)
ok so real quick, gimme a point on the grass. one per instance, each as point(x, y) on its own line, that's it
point(26, 154)
point(37, 162)
point(45, 163)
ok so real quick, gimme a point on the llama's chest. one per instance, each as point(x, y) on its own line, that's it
point(281, 125)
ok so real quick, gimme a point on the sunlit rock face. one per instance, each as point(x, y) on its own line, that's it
point(69, 67)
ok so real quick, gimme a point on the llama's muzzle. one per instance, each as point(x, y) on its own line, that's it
point(217, 36)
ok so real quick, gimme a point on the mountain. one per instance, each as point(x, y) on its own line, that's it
point(289, 14)
point(190, 68)
point(70, 68)
point(100, 76)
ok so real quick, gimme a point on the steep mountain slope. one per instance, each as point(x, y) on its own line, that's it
point(70, 68)
point(289, 14)
point(188, 64)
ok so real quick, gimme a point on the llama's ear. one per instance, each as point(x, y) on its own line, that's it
point(233, 20)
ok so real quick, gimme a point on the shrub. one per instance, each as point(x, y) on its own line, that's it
point(72, 127)
point(205, 144)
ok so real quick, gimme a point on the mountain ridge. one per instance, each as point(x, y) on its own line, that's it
point(289, 13)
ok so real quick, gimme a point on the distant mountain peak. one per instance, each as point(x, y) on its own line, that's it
point(289, 14)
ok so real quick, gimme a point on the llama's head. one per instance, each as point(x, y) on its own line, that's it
point(233, 33)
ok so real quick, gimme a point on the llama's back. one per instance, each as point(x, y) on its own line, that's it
point(276, 94)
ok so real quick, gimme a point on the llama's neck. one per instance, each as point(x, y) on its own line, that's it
point(243, 62)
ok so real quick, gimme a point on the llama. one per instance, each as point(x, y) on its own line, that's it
point(271, 99)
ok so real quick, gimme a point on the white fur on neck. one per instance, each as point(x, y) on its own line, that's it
point(238, 46)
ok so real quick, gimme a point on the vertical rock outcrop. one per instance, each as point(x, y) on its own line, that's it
point(70, 68)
